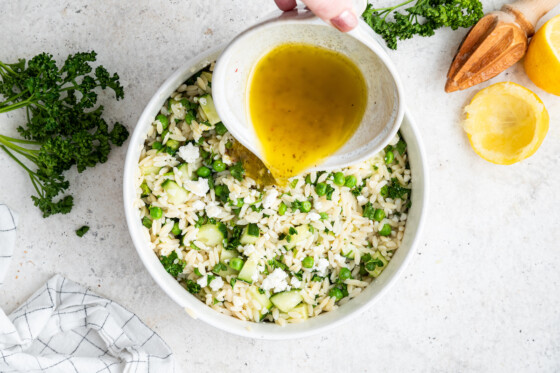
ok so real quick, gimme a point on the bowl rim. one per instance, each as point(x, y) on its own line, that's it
point(194, 307)
point(362, 33)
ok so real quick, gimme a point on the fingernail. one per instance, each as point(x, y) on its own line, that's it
point(345, 21)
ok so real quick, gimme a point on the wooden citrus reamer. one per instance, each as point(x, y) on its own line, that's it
point(496, 42)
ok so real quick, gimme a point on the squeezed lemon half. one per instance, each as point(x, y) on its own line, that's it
point(506, 123)
point(542, 61)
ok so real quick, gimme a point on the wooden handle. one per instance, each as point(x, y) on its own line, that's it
point(529, 12)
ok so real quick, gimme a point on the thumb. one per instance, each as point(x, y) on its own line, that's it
point(339, 13)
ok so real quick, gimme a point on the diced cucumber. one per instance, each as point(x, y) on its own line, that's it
point(249, 269)
point(207, 105)
point(349, 251)
point(145, 190)
point(302, 310)
point(212, 234)
point(150, 170)
point(173, 144)
point(226, 255)
point(207, 75)
point(286, 300)
point(303, 233)
point(378, 269)
point(263, 300)
point(250, 235)
point(175, 194)
point(187, 171)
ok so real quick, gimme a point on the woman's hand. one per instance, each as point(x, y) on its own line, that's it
point(339, 13)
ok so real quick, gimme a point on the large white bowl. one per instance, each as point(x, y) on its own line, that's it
point(196, 308)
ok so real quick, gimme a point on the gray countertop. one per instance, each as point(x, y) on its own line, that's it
point(481, 294)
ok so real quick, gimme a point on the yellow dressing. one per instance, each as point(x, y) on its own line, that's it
point(305, 102)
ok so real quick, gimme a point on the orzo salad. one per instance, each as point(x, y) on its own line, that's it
point(263, 253)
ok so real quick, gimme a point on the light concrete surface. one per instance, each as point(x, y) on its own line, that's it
point(481, 295)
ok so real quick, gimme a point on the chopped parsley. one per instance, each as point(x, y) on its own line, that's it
point(237, 171)
point(193, 287)
point(83, 230)
point(172, 264)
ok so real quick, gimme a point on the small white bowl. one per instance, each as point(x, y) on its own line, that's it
point(196, 308)
point(385, 105)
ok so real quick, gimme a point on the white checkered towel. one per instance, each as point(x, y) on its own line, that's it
point(65, 327)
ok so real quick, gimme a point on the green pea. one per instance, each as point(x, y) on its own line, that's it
point(386, 230)
point(344, 274)
point(305, 206)
point(351, 181)
point(203, 171)
point(321, 189)
point(220, 129)
point(339, 179)
point(308, 262)
point(220, 189)
point(156, 212)
point(176, 230)
point(163, 120)
point(389, 157)
point(336, 293)
point(282, 208)
point(236, 263)
point(157, 145)
point(218, 166)
point(379, 215)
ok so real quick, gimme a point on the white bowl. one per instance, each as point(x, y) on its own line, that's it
point(385, 105)
point(196, 308)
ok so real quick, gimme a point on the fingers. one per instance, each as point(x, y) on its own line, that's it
point(337, 12)
point(285, 5)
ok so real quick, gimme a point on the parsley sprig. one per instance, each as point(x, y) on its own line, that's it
point(422, 18)
point(63, 125)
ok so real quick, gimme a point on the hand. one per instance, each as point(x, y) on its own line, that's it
point(338, 13)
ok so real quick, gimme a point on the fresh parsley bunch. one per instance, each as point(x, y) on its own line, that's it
point(422, 18)
point(64, 126)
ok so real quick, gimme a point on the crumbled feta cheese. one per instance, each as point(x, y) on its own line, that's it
point(198, 205)
point(362, 200)
point(269, 198)
point(255, 276)
point(313, 216)
point(203, 281)
point(322, 266)
point(340, 260)
point(248, 250)
point(202, 101)
point(266, 236)
point(276, 280)
point(199, 187)
point(318, 205)
point(216, 283)
point(189, 153)
point(295, 283)
point(213, 211)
